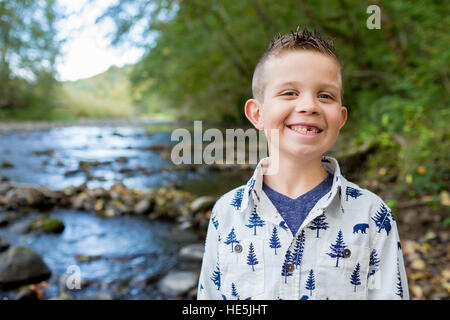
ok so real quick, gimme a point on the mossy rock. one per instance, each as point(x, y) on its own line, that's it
point(47, 225)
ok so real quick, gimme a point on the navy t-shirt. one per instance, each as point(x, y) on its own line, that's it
point(295, 211)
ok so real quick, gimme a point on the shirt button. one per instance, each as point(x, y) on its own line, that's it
point(238, 248)
point(346, 253)
point(290, 267)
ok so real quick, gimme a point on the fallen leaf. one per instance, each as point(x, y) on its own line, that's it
point(446, 285)
point(417, 275)
point(446, 274)
point(418, 264)
point(416, 290)
point(445, 198)
point(421, 169)
point(409, 247)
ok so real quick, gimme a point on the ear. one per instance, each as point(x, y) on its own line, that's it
point(253, 112)
point(343, 116)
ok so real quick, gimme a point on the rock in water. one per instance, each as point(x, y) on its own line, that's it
point(192, 252)
point(178, 283)
point(19, 266)
point(47, 225)
point(3, 245)
point(202, 203)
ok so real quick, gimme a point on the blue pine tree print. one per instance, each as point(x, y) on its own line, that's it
point(251, 184)
point(373, 263)
point(382, 220)
point(231, 239)
point(352, 192)
point(319, 223)
point(354, 278)
point(298, 249)
point(255, 221)
point(284, 272)
point(234, 291)
point(337, 248)
point(215, 222)
point(251, 257)
point(251, 187)
point(237, 199)
point(310, 283)
point(216, 277)
point(399, 283)
point(342, 172)
point(392, 215)
point(283, 225)
point(274, 240)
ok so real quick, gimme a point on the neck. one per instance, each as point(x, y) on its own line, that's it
point(295, 177)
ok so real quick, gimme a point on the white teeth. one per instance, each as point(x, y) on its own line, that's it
point(304, 130)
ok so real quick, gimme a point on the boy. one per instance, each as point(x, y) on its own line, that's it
point(303, 232)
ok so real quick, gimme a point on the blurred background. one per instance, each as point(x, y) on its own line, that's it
point(91, 207)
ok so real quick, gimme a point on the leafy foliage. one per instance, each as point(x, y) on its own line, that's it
point(28, 49)
point(396, 78)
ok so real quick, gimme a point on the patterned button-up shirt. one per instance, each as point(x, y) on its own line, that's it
point(348, 247)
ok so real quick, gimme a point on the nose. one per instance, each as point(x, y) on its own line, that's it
point(307, 104)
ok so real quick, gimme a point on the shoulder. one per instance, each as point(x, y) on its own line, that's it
point(230, 200)
point(366, 198)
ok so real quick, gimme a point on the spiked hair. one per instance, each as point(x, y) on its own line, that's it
point(298, 40)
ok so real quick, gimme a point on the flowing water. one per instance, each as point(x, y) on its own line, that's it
point(125, 249)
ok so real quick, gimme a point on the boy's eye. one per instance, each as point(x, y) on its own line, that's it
point(289, 93)
point(326, 96)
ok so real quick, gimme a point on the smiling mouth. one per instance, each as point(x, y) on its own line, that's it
point(305, 129)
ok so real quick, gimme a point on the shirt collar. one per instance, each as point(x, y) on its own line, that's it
point(253, 188)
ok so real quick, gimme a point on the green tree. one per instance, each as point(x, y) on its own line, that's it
point(28, 49)
point(201, 55)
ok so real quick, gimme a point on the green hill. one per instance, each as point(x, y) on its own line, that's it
point(104, 95)
point(108, 95)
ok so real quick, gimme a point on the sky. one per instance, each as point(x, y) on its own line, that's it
point(86, 51)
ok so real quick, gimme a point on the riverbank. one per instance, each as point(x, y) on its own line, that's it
point(169, 204)
point(35, 215)
point(45, 125)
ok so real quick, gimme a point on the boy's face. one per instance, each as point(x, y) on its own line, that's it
point(301, 87)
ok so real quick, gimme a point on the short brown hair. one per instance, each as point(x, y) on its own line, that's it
point(298, 40)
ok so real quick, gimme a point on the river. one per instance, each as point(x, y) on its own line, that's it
point(125, 247)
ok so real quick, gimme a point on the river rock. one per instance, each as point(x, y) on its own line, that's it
point(31, 196)
point(47, 225)
point(143, 206)
point(202, 203)
point(20, 266)
point(192, 252)
point(5, 187)
point(27, 294)
point(81, 201)
point(6, 164)
point(3, 245)
point(7, 218)
point(178, 283)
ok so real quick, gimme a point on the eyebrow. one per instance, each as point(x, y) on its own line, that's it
point(293, 83)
